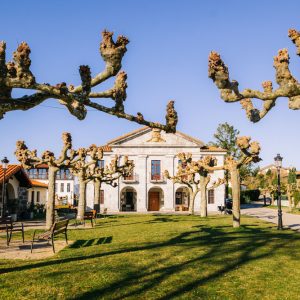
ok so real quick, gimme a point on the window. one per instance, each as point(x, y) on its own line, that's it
point(42, 173)
point(211, 196)
point(101, 163)
point(68, 187)
point(62, 187)
point(32, 197)
point(101, 196)
point(33, 173)
point(178, 198)
point(155, 170)
point(67, 174)
point(56, 187)
point(38, 197)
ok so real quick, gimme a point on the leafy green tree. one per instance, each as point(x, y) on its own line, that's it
point(291, 187)
point(226, 137)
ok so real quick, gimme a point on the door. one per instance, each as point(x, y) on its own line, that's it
point(153, 204)
point(129, 201)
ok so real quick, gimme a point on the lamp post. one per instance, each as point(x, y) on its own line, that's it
point(278, 164)
point(5, 162)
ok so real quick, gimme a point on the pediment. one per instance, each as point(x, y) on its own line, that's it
point(147, 137)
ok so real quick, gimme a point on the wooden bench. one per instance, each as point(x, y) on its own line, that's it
point(57, 228)
point(7, 225)
point(90, 215)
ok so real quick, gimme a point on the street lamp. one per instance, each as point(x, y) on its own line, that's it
point(278, 164)
point(5, 162)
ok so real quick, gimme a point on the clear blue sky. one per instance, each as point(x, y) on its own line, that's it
point(166, 59)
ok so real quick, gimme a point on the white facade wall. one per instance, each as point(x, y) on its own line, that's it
point(142, 152)
point(43, 195)
point(60, 194)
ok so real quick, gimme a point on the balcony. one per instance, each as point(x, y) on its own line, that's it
point(157, 178)
point(64, 176)
point(133, 178)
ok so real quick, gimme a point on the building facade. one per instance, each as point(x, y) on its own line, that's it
point(16, 185)
point(64, 186)
point(153, 152)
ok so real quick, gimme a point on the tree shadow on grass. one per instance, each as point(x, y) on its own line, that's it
point(220, 250)
point(219, 243)
point(91, 242)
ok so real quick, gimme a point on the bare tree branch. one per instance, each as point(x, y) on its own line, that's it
point(17, 74)
point(288, 86)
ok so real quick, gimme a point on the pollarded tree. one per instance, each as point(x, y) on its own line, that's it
point(87, 168)
point(250, 153)
point(82, 167)
point(195, 177)
point(17, 75)
point(29, 159)
point(288, 85)
point(110, 174)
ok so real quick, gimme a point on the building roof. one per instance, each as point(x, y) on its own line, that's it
point(17, 171)
point(212, 149)
point(146, 128)
point(124, 136)
point(36, 183)
point(270, 167)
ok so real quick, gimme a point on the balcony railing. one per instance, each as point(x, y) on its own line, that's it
point(131, 179)
point(157, 177)
point(44, 175)
point(64, 176)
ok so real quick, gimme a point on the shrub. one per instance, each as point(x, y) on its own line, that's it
point(296, 198)
point(249, 195)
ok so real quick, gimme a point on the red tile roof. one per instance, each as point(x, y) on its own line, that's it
point(10, 171)
point(36, 183)
point(15, 170)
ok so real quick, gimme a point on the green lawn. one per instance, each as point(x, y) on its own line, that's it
point(163, 257)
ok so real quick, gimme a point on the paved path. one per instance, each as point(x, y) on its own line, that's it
point(270, 215)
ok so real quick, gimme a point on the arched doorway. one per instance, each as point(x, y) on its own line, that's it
point(155, 199)
point(128, 199)
point(10, 191)
point(182, 199)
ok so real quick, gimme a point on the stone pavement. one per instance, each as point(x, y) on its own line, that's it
point(291, 221)
point(18, 250)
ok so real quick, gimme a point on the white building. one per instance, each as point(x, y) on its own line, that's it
point(64, 186)
point(147, 190)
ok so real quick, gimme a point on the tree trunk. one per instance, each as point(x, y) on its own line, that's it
point(203, 201)
point(51, 197)
point(272, 199)
point(192, 202)
point(289, 194)
point(226, 186)
point(236, 190)
point(82, 199)
point(97, 187)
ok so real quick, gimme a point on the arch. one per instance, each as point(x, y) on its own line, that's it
point(155, 199)
point(10, 191)
point(182, 198)
point(128, 199)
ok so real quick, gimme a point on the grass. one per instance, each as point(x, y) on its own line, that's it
point(163, 257)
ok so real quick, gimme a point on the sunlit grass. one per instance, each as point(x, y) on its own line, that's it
point(163, 257)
